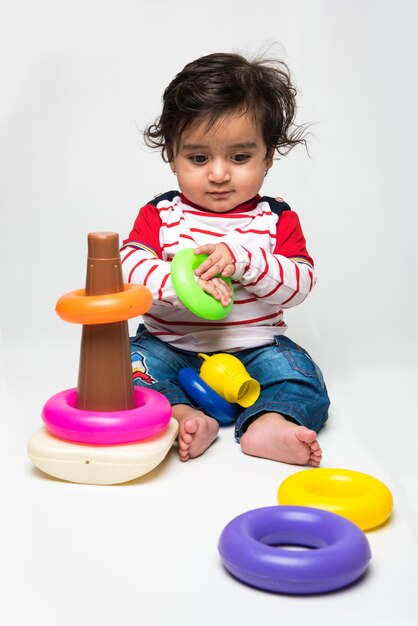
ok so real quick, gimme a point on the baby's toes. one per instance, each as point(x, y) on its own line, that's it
point(187, 438)
point(315, 459)
point(190, 427)
point(314, 445)
point(183, 445)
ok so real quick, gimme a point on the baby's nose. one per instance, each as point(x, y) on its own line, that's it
point(219, 172)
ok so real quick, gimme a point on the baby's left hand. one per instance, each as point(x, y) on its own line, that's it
point(218, 289)
point(218, 262)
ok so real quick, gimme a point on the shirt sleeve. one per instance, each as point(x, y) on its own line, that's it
point(142, 261)
point(284, 277)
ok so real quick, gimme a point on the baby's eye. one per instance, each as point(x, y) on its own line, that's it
point(240, 158)
point(200, 159)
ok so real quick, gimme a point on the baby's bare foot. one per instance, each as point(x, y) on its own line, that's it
point(197, 431)
point(272, 436)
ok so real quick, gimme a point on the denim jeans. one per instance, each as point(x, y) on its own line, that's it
point(291, 383)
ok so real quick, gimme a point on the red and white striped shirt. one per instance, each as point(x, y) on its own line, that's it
point(273, 269)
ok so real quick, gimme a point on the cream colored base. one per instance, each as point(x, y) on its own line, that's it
point(99, 465)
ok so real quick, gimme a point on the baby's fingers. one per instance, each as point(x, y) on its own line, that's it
point(224, 290)
point(216, 263)
point(207, 248)
point(206, 267)
point(218, 289)
point(229, 270)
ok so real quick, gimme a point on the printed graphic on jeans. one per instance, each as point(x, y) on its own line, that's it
point(140, 369)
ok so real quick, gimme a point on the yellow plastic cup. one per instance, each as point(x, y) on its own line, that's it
point(228, 377)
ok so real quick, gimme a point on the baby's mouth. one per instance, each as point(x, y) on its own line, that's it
point(219, 194)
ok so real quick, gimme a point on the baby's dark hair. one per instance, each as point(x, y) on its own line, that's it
point(222, 83)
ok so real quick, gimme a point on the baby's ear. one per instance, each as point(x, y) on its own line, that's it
point(170, 155)
point(269, 157)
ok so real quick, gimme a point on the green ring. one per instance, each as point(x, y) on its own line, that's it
point(188, 291)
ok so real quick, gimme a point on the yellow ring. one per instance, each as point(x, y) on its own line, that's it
point(364, 500)
point(78, 308)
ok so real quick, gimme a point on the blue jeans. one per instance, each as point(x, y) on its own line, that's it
point(291, 383)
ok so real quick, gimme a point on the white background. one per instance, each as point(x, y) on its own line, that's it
point(79, 80)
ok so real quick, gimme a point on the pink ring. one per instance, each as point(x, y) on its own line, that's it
point(150, 416)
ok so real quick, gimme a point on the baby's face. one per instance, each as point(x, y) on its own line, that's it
point(220, 168)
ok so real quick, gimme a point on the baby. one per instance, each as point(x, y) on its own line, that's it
point(223, 119)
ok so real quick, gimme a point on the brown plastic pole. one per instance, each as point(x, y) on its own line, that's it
point(105, 370)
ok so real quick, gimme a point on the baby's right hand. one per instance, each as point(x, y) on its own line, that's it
point(217, 288)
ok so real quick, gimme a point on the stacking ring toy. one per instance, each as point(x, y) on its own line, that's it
point(209, 400)
point(252, 548)
point(359, 497)
point(191, 295)
point(151, 415)
point(78, 308)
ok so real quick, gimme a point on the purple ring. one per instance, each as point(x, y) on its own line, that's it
point(250, 549)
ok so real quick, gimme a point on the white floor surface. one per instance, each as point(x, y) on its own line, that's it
point(146, 552)
point(80, 80)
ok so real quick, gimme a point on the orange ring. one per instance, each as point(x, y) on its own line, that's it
point(78, 308)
